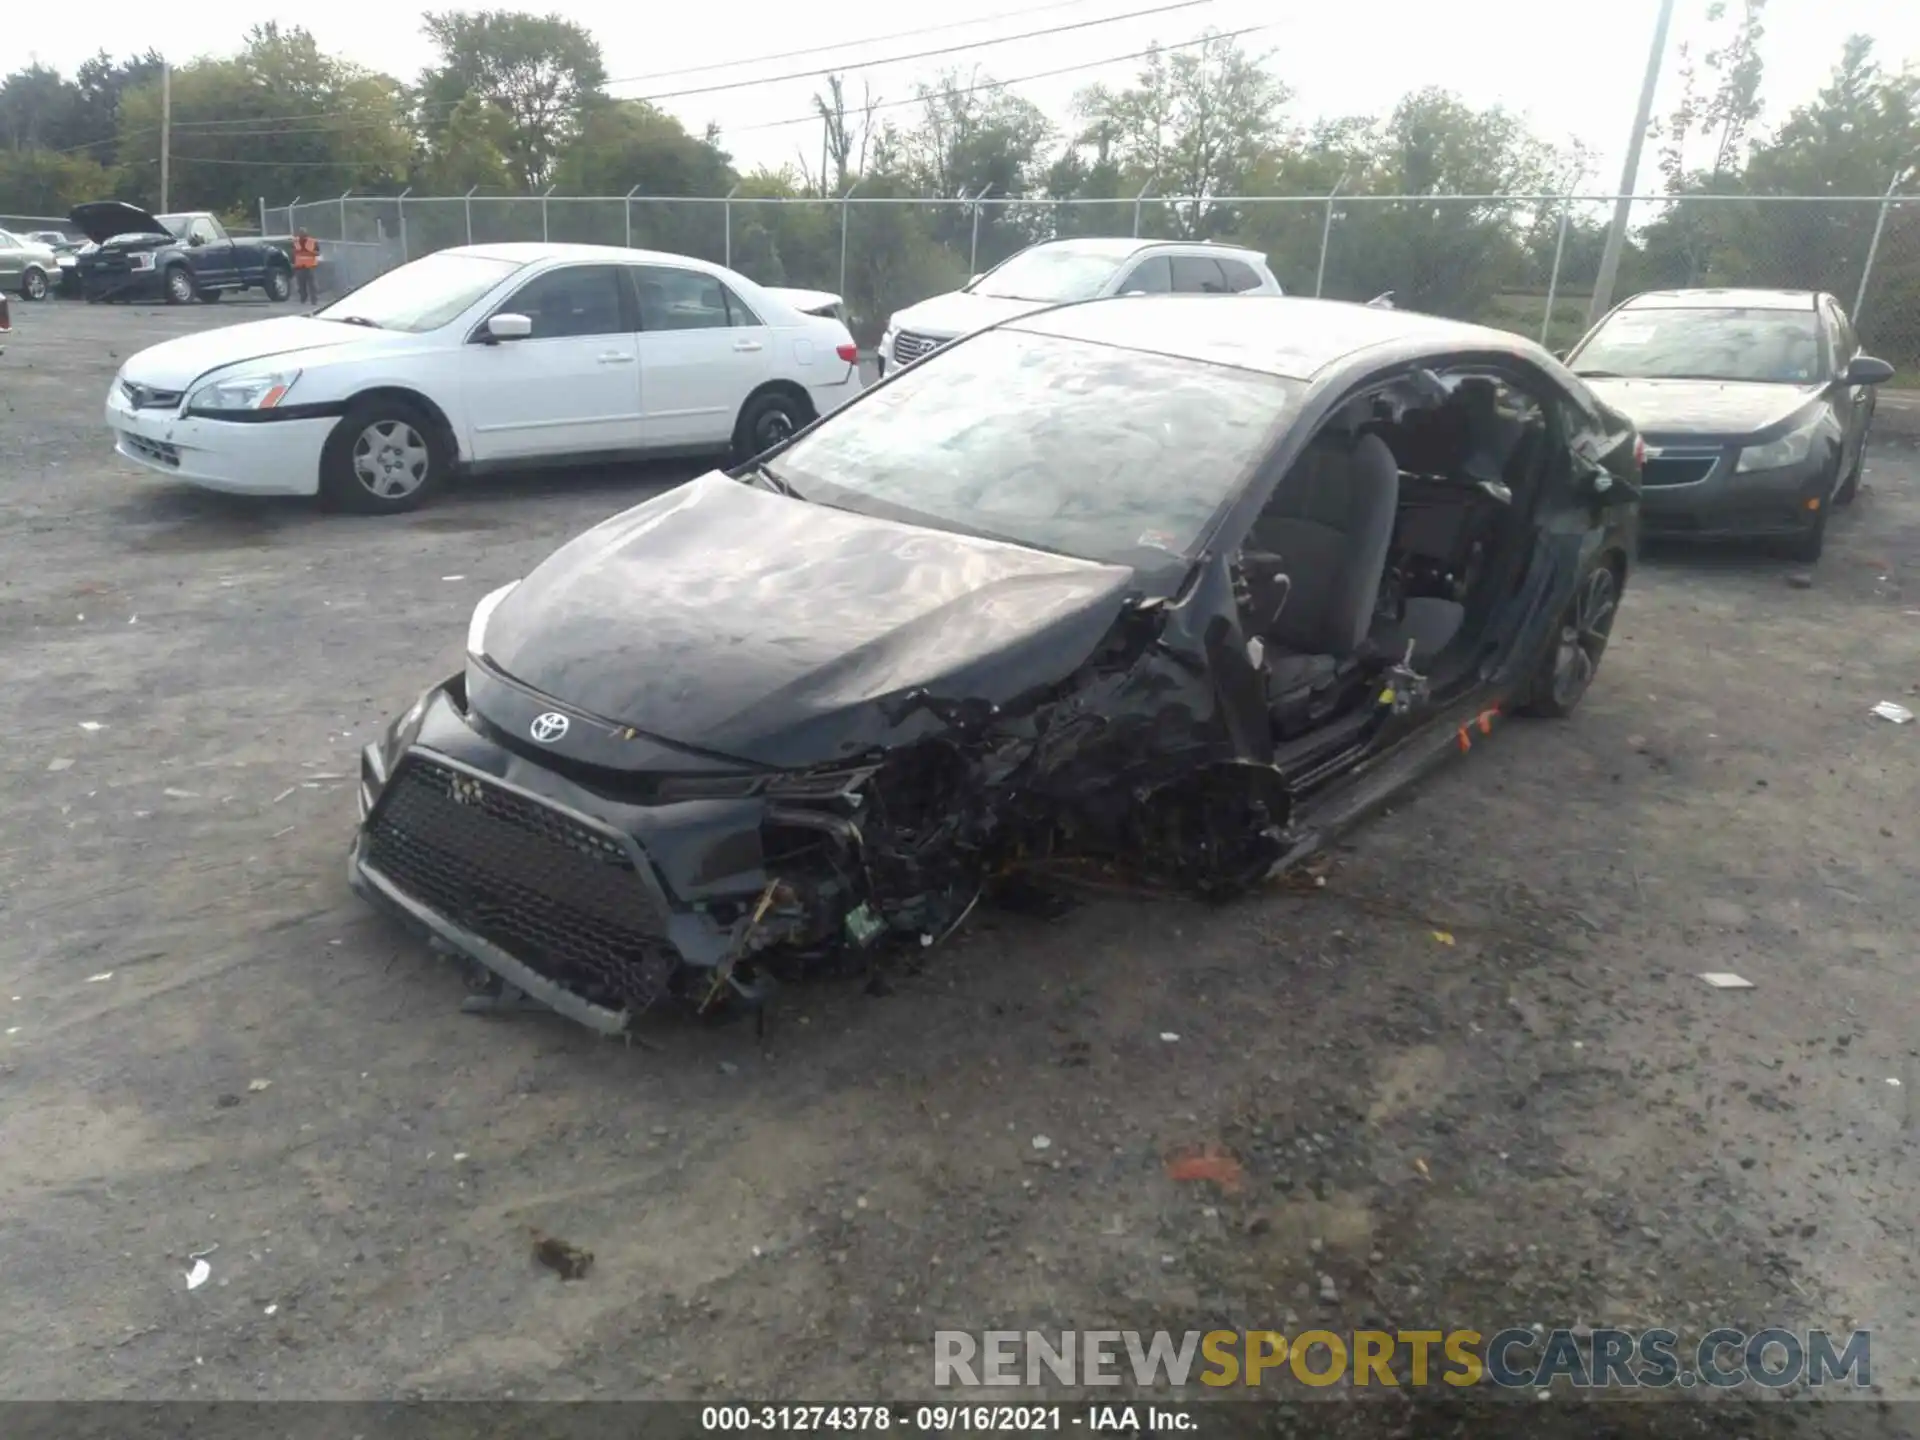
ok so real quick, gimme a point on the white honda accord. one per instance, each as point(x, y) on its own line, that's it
point(487, 356)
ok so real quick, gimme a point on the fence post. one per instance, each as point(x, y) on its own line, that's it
point(1326, 238)
point(973, 252)
point(846, 209)
point(1553, 280)
point(402, 202)
point(626, 213)
point(727, 205)
point(263, 217)
point(543, 212)
point(1873, 246)
point(467, 201)
point(1136, 207)
point(343, 213)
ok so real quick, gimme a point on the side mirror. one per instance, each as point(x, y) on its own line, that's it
point(1868, 370)
point(508, 327)
point(194, 242)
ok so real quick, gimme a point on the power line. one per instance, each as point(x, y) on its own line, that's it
point(851, 44)
point(814, 119)
point(214, 125)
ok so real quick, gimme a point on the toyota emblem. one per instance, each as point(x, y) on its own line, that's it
point(549, 727)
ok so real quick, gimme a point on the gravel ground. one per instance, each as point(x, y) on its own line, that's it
point(1475, 1080)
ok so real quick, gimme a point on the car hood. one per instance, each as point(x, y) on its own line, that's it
point(777, 632)
point(1702, 409)
point(175, 364)
point(104, 220)
point(960, 313)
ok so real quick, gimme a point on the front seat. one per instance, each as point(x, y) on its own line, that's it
point(1331, 523)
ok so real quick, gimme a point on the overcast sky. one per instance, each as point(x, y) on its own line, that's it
point(1570, 71)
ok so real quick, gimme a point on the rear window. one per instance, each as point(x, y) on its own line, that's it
point(1240, 275)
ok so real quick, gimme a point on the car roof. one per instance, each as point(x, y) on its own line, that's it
point(1281, 335)
point(528, 251)
point(1721, 299)
point(1121, 246)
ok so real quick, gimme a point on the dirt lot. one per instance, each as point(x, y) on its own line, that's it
point(1475, 1081)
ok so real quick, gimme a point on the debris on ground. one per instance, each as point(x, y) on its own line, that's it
point(1169, 1037)
point(103, 975)
point(1041, 1142)
point(1445, 937)
point(1800, 580)
point(197, 1276)
point(569, 1262)
point(1898, 714)
point(91, 725)
point(58, 764)
point(1726, 980)
point(175, 794)
point(256, 1086)
point(1206, 1163)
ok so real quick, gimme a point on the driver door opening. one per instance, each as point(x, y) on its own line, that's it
point(1368, 584)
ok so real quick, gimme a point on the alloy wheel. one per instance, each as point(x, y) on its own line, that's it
point(1583, 637)
point(36, 286)
point(391, 459)
point(774, 427)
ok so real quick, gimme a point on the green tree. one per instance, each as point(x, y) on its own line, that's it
point(540, 70)
point(44, 182)
point(38, 108)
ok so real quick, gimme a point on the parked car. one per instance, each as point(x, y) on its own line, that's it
point(27, 267)
point(1755, 406)
point(66, 254)
point(482, 357)
point(176, 258)
point(1182, 584)
point(1058, 271)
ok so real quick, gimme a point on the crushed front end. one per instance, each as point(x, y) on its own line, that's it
point(602, 892)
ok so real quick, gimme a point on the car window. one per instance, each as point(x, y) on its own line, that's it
point(1708, 343)
point(1198, 275)
point(1091, 450)
point(673, 299)
point(9, 240)
point(1846, 344)
point(202, 231)
point(1152, 276)
point(1240, 275)
point(423, 294)
point(1054, 273)
point(578, 300)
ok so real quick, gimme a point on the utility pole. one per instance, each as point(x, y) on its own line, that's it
point(1623, 206)
point(166, 129)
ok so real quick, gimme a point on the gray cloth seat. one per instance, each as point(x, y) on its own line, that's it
point(1330, 522)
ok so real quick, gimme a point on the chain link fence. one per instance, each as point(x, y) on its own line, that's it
point(1523, 263)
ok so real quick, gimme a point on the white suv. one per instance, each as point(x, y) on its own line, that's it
point(1059, 271)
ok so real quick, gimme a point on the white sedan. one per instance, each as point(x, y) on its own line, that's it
point(487, 356)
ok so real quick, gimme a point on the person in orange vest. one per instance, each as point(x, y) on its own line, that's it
point(306, 259)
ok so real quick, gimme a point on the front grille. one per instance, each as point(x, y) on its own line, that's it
point(909, 347)
point(145, 397)
point(157, 451)
point(560, 896)
point(1677, 469)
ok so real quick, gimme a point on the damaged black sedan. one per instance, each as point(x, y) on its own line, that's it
point(1174, 584)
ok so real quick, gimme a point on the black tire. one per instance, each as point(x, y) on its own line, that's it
point(278, 284)
point(177, 284)
point(1572, 658)
point(766, 420)
point(378, 445)
point(33, 284)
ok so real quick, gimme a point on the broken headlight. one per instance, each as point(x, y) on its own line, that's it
point(477, 626)
point(1789, 449)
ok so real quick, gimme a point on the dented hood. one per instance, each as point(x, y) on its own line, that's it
point(777, 631)
point(1702, 409)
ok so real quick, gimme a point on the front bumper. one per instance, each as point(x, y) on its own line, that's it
point(592, 904)
point(116, 281)
point(1697, 493)
point(274, 457)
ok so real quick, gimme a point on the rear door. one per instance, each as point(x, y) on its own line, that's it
point(702, 352)
point(572, 387)
point(212, 254)
point(12, 260)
